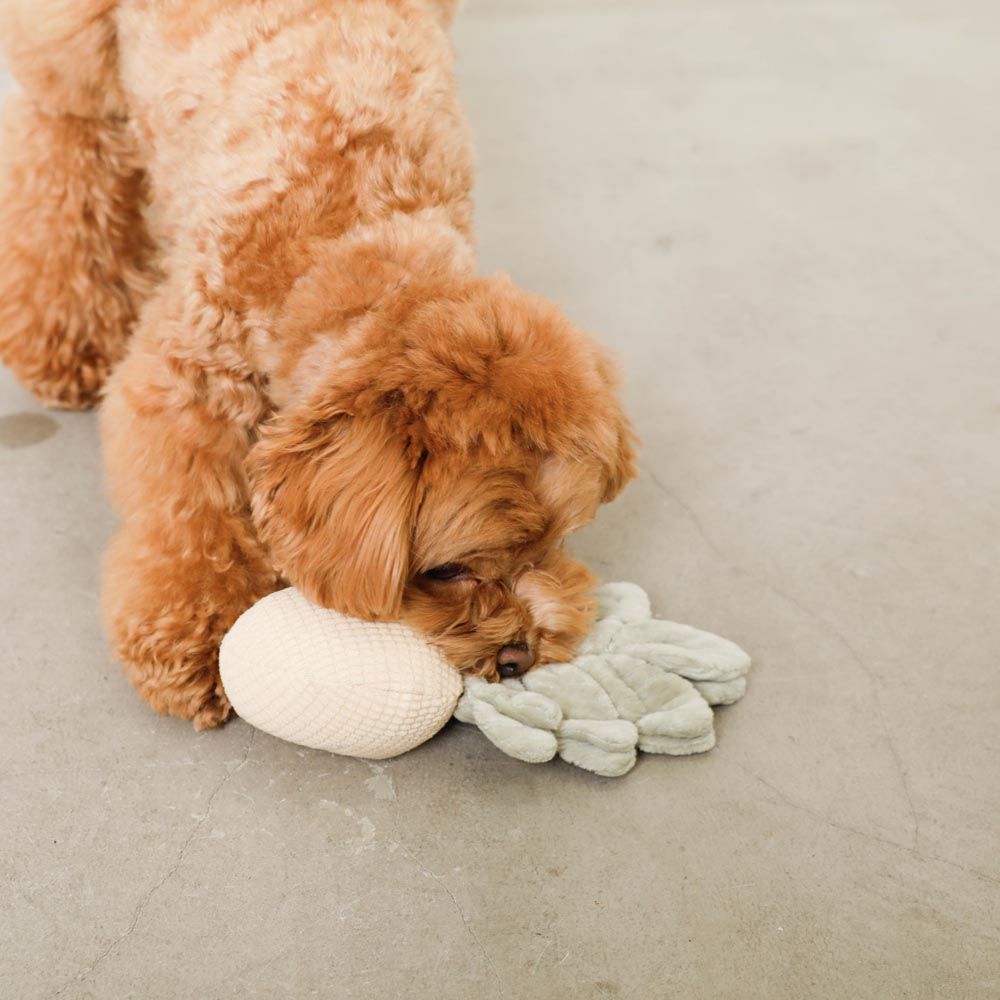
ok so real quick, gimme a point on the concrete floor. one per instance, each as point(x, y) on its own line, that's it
point(784, 216)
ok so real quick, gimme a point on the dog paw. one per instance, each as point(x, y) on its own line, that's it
point(213, 713)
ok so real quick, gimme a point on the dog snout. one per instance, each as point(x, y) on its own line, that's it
point(515, 659)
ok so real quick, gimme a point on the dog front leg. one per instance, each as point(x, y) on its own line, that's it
point(186, 561)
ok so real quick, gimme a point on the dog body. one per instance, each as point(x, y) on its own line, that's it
point(272, 251)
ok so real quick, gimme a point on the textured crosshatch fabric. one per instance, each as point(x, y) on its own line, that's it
point(321, 679)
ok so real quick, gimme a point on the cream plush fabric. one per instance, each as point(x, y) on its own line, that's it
point(324, 680)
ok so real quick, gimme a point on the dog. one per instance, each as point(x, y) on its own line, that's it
point(245, 226)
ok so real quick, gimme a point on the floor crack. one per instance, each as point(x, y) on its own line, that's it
point(461, 912)
point(865, 834)
point(178, 861)
point(873, 678)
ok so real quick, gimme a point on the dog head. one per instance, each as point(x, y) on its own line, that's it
point(432, 472)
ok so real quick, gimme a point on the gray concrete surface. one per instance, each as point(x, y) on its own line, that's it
point(784, 216)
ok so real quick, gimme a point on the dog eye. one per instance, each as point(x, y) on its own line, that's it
point(448, 572)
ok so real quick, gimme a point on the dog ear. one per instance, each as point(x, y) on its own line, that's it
point(619, 458)
point(334, 499)
point(613, 441)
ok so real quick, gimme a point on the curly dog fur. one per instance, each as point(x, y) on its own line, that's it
point(246, 225)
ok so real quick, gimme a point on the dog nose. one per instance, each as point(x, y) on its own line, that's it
point(515, 659)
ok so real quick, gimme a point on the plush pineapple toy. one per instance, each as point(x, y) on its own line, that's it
point(324, 680)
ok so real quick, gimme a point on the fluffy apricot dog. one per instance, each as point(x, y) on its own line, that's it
point(246, 225)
